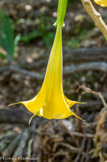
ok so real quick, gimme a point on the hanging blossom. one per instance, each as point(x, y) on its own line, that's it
point(51, 102)
point(102, 3)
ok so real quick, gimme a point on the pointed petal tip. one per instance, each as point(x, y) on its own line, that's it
point(80, 118)
point(15, 103)
point(82, 102)
point(77, 116)
point(31, 118)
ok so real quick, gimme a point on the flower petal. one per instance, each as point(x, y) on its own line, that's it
point(102, 3)
point(50, 102)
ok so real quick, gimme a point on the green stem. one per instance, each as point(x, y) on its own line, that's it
point(62, 5)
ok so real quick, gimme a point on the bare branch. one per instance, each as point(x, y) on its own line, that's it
point(95, 16)
point(88, 90)
point(68, 70)
point(70, 55)
point(17, 69)
point(99, 66)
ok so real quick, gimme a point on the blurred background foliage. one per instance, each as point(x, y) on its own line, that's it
point(34, 22)
point(7, 39)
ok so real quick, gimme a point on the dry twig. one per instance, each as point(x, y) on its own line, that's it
point(95, 16)
point(88, 90)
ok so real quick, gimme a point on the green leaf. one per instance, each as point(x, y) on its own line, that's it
point(7, 40)
point(3, 56)
point(8, 33)
point(16, 41)
point(32, 35)
point(48, 39)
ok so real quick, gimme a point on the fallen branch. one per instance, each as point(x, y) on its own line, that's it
point(6, 140)
point(98, 66)
point(21, 116)
point(22, 144)
point(68, 70)
point(12, 146)
point(17, 69)
point(95, 16)
point(18, 115)
point(78, 55)
point(91, 106)
point(13, 115)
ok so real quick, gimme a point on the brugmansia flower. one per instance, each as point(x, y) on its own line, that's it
point(51, 102)
point(102, 3)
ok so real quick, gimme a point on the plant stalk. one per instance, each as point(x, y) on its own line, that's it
point(62, 5)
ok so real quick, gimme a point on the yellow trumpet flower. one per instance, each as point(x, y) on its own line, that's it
point(51, 102)
point(102, 3)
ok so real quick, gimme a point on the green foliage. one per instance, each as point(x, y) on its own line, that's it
point(30, 36)
point(73, 2)
point(45, 28)
point(3, 56)
point(73, 43)
point(44, 32)
point(48, 38)
point(83, 34)
point(7, 40)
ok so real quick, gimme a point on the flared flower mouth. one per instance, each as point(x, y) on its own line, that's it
point(51, 102)
point(102, 3)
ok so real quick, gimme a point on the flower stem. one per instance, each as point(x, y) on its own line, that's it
point(62, 5)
